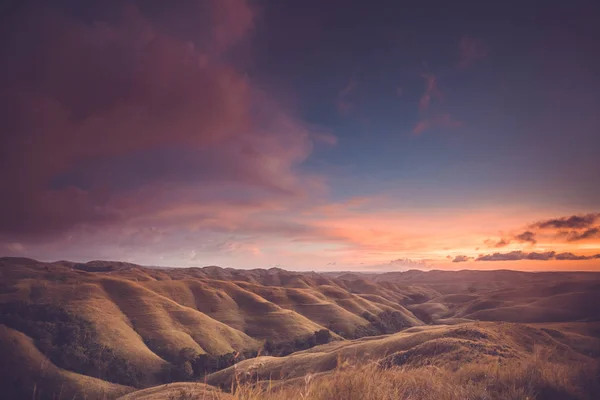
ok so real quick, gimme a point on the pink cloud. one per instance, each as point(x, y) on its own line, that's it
point(326, 138)
point(344, 103)
point(443, 120)
point(231, 20)
point(97, 115)
point(431, 91)
point(471, 51)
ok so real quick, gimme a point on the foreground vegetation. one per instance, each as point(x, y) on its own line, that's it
point(532, 378)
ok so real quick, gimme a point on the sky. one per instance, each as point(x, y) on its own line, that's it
point(302, 134)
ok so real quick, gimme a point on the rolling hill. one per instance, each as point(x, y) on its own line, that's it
point(103, 329)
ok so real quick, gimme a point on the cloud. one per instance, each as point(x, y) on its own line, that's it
point(109, 121)
point(400, 264)
point(344, 103)
point(431, 91)
point(587, 234)
point(461, 258)
point(562, 229)
point(571, 256)
point(545, 256)
point(499, 243)
point(502, 243)
point(14, 248)
point(324, 137)
point(471, 51)
point(433, 119)
point(442, 120)
point(572, 222)
point(517, 255)
point(526, 236)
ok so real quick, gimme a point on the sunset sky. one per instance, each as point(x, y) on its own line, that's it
point(303, 134)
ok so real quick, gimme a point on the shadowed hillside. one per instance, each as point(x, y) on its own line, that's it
point(27, 373)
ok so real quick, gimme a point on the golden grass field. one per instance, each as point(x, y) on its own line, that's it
point(102, 330)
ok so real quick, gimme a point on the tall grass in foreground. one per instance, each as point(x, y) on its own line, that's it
point(532, 378)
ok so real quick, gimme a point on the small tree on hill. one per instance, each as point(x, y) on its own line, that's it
point(322, 336)
point(183, 366)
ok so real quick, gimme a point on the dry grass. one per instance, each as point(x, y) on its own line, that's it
point(532, 378)
point(179, 391)
point(449, 347)
point(535, 377)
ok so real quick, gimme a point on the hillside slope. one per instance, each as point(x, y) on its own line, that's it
point(123, 325)
point(148, 318)
point(441, 345)
point(473, 361)
point(25, 373)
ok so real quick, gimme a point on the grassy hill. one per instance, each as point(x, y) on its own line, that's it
point(473, 361)
point(26, 373)
point(103, 329)
point(441, 345)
